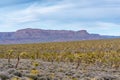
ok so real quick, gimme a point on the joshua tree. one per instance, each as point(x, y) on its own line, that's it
point(19, 56)
point(10, 52)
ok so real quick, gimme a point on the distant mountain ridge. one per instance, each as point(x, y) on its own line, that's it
point(39, 35)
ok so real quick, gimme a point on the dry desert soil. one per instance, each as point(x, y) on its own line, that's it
point(26, 70)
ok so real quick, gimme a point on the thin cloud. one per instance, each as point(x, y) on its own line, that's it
point(92, 15)
point(8, 3)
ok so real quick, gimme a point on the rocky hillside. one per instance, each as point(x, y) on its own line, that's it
point(38, 35)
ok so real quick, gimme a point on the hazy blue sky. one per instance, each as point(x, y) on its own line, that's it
point(95, 16)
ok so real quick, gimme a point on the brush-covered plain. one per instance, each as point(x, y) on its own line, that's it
point(77, 60)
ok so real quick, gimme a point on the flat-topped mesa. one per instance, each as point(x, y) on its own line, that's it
point(28, 30)
point(30, 35)
point(83, 32)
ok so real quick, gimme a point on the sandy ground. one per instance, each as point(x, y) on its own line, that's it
point(54, 71)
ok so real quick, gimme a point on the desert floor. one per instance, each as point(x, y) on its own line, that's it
point(41, 70)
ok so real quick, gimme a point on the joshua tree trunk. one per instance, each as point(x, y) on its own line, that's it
point(8, 59)
point(18, 60)
point(78, 64)
point(36, 55)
